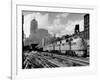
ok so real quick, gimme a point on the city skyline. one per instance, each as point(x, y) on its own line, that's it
point(59, 23)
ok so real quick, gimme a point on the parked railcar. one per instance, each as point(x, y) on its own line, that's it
point(57, 46)
point(78, 46)
point(72, 46)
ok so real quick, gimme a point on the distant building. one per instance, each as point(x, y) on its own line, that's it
point(77, 28)
point(36, 35)
point(34, 26)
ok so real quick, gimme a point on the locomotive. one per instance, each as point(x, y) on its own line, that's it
point(72, 46)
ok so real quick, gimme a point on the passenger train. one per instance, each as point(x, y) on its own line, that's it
point(72, 46)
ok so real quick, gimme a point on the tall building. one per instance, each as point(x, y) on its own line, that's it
point(86, 26)
point(86, 22)
point(34, 26)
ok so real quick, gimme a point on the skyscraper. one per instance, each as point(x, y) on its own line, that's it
point(86, 26)
point(86, 22)
point(34, 26)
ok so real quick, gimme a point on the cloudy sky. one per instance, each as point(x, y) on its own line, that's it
point(55, 22)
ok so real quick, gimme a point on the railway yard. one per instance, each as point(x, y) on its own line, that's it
point(36, 59)
point(45, 50)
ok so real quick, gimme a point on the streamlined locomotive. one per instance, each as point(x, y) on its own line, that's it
point(73, 46)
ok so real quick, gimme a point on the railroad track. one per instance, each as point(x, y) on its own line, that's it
point(73, 60)
point(77, 61)
point(48, 61)
point(38, 61)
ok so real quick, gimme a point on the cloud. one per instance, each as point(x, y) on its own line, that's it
point(67, 28)
point(70, 26)
point(63, 15)
point(42, 20)
point(56, 21)
point(56, 27)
